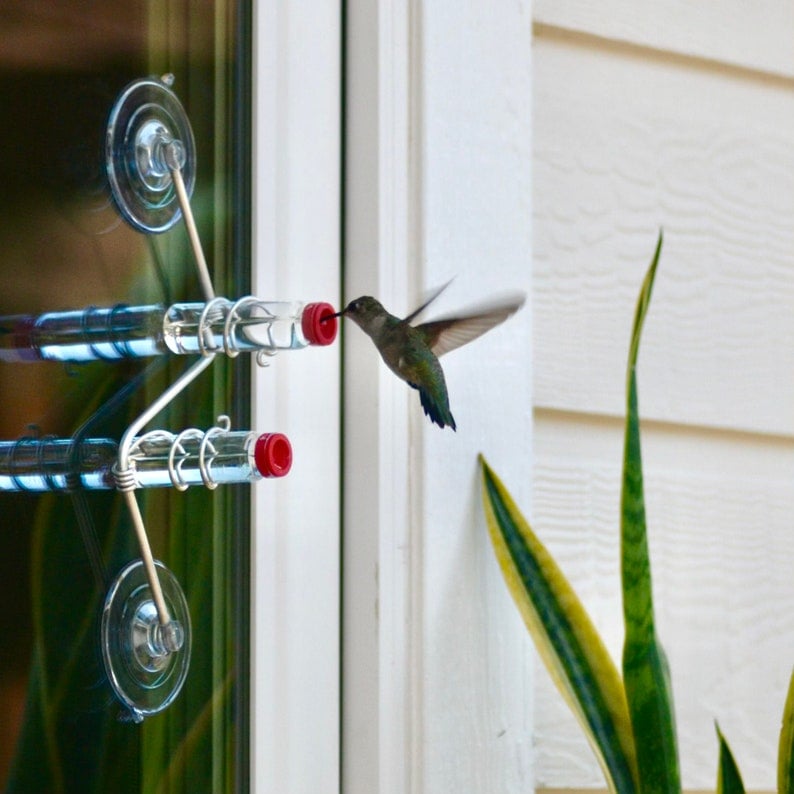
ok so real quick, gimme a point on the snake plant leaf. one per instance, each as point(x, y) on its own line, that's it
point(729, 781)
point(785, 757)
point(568, 643)
point(645, 671)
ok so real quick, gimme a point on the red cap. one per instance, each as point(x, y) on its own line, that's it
point(315, 327)
point(273, 455)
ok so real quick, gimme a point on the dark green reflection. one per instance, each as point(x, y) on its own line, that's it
point(64, 247)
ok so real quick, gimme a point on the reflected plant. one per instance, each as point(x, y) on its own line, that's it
point(629, 718)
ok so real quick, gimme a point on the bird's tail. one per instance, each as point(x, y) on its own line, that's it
point(437, 411)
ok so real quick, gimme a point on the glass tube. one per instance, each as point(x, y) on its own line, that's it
point(158, 458)
point(247, 325)
point(56, 464)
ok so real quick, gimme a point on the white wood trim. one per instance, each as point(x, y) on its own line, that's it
point(296, 569)
point(435, 185)
point(378, 672)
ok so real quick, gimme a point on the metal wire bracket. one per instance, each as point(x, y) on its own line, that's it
point(173, 151)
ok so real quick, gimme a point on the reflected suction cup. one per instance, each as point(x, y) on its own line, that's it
point(148, 134)
point(145, 662)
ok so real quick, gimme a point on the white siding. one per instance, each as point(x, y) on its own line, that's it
point(755, 36)
point(682, 118)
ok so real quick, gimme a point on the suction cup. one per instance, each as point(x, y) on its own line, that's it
point(145, 662)
point(148, 131)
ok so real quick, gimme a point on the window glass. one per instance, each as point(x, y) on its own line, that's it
point(65, 247)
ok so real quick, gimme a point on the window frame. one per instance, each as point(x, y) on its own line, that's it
point(296, 571)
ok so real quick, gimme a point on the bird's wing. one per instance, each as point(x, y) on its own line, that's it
point(449, 333)
point(433, 295)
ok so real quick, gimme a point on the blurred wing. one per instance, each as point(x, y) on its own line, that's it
point(433, 295)
point(448, 333)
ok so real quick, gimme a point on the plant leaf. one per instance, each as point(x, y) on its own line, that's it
point(645, 671)
point(729, 781)
point(785, 756)
point(568, 643)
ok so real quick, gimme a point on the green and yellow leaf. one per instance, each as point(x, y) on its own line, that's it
point(729, 781)
point(565, 636)
point(645, 671)
point(785, 757)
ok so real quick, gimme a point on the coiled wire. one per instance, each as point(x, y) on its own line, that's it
point(222, 309)
point(178, 455)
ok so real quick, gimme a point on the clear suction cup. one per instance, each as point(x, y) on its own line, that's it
point(148, 135)
point(145, 662)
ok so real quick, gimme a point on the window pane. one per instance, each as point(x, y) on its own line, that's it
point(65, 247)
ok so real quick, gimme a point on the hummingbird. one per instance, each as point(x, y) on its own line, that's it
point(411, 352)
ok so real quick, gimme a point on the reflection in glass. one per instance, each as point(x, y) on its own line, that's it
point(65, 244)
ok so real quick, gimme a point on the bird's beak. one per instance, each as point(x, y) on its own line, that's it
point(331, 316)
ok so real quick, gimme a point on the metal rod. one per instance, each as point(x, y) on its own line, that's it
point(148, 560)
point(186, 378)
point(174, 152)
point(190, 222)
point(169, 394)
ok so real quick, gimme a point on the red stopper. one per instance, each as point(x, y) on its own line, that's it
point(317, 329)
point(273, 455)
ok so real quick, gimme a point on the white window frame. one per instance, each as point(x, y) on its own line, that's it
point(296, 521)
point(407, 483)
point(388, 732)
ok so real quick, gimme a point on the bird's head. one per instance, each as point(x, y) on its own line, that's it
point(365, 312)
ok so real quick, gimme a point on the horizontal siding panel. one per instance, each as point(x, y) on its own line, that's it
point(623, 146)
point(719, 511)
point(754, 35)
